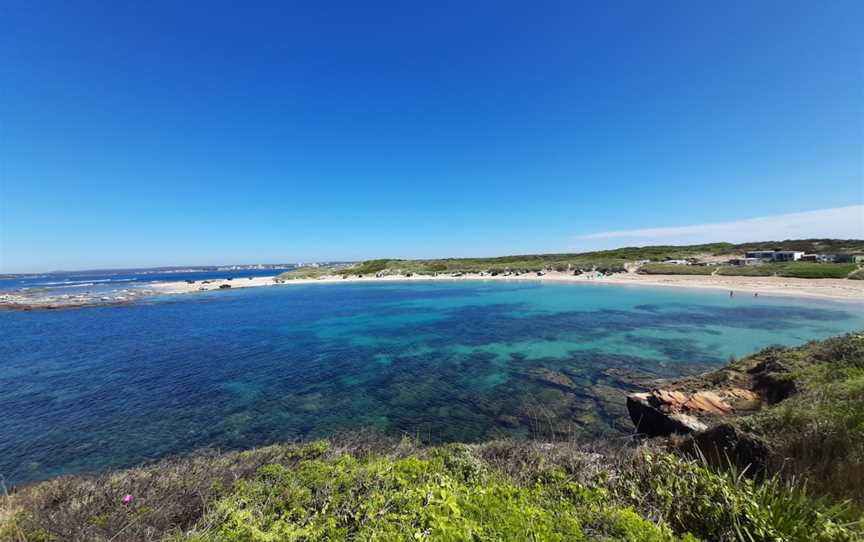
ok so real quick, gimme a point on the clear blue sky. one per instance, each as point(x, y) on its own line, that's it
point(159, 133)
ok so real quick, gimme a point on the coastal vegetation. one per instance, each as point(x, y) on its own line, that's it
point(672, 269)
point(802, 270)
point(648, 260)
point(807, 486)
point(817, 432)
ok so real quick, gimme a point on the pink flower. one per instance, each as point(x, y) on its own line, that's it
point(128, 499)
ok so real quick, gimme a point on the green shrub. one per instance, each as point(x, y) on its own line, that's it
point(764, 270)
point(449, 496)
point(436, 267)
point(819, 431)
point(673, 269)
point(369, 267)
point(806, 270)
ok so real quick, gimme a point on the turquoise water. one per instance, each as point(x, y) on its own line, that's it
point(87, 389)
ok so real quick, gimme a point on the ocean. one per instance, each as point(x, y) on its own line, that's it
point(103, 387)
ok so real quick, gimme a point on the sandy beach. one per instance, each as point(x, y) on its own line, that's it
point(838, 289)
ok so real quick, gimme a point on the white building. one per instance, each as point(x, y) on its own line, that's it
point(775, 255)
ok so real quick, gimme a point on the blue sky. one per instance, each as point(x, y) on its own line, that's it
point(161, 133)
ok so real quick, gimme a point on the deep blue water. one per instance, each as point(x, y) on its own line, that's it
point(101, 387)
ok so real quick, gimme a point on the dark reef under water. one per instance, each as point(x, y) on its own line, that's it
point(463, 361)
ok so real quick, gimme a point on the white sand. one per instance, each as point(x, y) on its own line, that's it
point(841, 289)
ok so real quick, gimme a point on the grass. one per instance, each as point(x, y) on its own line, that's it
point(672, 269)
point(818, 432)
point(792, 269)
point(727, 505)
point(764, 270)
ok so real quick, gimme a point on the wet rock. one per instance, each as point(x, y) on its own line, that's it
point(552, 378)
point(509, 421)
point(611, 402)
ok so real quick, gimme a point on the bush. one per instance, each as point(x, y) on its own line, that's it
point(366, 490)
point(369, 267)
point(817, 270)
point(764, 270)
point(450, 495)
point(436, 267)
point(818, 433)
point(673, 269)
point(804, 270)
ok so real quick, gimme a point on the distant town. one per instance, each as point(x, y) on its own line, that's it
point(186, 269)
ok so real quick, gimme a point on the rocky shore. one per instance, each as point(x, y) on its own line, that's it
point(36, 300)
point(741, 413)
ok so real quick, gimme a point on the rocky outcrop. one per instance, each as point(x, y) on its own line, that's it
point(664, 412)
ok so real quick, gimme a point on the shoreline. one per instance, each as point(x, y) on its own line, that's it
point(839, 290)
point(833, 289)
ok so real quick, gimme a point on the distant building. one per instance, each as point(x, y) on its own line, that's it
point(677, 262)
point(760, 254)
point(847, 258)
point(787, 256)
point(775, 255)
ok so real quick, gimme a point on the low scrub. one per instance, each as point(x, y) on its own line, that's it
point(818, 432)
point(673, 269)
point(447, 495)
point(370, 267)
point(729, 506)
point(500, 491)
point(817, 270)
point(764, 270)
point(802, 270)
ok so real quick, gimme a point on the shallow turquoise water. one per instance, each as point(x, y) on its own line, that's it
point(109, 387)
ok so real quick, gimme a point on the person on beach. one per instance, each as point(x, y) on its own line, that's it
point(731, 293)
